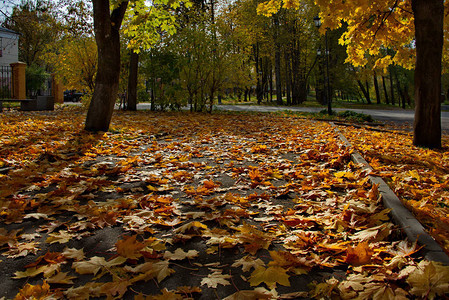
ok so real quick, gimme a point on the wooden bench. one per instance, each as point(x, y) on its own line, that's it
point(41, 103)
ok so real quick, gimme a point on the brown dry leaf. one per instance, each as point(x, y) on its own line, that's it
point(115, 289)
point(8, 238)
point(360, 255)
point(166, 295)
point(216, 278)
point(129, 247)
point(429, 279)
point(180, 254)
point(22, 249)
point(46, 270)
point(149, 270)
point(248, 262)
point(90, 289)
point(381, 291)
point(61, 278)
point(73, 253)
point(256, 294)
point(373, 234)
point(94, 264)
point(60, 237)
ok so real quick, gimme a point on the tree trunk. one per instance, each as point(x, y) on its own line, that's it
point(153, 96)
point(387, 100)
point(288, 77)
point(270, 80)
point(132, 81)
point(107, 35)
point(376, 87)
point(259, 93)
point(429, 16)
point(400, 92)
point(365, 91)
point(392, 86)
point(277, 61)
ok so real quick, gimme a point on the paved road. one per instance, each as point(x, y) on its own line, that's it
point(397, 116)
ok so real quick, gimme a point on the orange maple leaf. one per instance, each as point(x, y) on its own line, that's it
point(129, 247)
point(39, 291)
point(360, 255)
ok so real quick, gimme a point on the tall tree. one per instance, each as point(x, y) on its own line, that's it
point(107, 25)
point(147, 23)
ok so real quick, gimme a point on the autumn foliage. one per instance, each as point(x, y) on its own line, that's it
point(180, 205)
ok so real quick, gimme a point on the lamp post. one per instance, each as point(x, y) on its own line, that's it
point(317, 21)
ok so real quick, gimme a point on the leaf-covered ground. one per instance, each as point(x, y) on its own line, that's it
point(180, 205)
point(420, 177)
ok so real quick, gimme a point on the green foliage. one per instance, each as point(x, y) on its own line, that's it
point(354, 116)
point(145, 24)
point(36, 79)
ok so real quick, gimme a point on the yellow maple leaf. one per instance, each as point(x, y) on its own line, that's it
point(270, 276)
point(39, 291)
point(194, 226)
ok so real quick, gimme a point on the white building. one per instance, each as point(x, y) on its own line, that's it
point(9, 47)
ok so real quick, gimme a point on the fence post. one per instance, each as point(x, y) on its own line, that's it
point(18, 79)
point(57, 92)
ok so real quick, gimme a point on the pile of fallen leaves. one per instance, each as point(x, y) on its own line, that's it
point(195, 206)
point(420, 177)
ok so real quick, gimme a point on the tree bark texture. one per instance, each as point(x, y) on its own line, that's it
point(107, 26)
point(277, 61)
point(132, 81)
point(387, 100)
point(365, 91)
point(376, 88)
point(429, 43)
point(393, 100)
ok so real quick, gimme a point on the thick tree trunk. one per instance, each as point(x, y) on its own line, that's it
point(376, 87)
point(429, 16)
point(107, 36)
point(132, 81)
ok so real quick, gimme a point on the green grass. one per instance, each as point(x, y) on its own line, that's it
point(311, 102)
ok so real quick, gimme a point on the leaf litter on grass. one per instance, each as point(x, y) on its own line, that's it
point(180, 205)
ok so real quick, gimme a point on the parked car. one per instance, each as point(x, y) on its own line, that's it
point(72, 95)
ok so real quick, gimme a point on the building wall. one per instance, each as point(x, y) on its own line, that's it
point(9, 47)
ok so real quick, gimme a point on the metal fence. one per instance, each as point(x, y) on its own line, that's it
point(6, 82)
